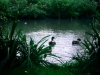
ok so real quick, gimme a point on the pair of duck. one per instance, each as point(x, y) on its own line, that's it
point(53, 43)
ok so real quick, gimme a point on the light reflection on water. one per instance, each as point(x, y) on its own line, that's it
point(63, 47)
point(64, 31)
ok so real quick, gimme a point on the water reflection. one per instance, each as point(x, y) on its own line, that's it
point(63, 47)
point(64, 31)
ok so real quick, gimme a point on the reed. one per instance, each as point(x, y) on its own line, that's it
point(16, 52)
point(90, 58)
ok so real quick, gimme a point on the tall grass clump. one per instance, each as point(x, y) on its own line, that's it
point(93, 46)
point(89, 59)
point(15, 52)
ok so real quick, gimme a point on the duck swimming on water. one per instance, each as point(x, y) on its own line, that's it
point(74, 42)
point(52, 43)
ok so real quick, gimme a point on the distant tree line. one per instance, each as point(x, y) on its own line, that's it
point(32, 9)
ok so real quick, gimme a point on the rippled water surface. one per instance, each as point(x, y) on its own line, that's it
point(64, 31)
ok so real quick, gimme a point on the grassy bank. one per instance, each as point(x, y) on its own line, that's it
point(30, 9)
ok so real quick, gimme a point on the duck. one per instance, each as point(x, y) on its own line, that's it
point(76, 41)
point(52, 43)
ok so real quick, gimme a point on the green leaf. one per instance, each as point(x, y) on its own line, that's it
point(13, 29)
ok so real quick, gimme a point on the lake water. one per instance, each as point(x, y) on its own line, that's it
point(64, 31)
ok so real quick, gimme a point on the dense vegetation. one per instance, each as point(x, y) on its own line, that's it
point(28, 9)
point(31, 59)
point(18, 57)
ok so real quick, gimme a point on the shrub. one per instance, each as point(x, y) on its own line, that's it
point(71, 8)
point(32, 11)
point(57, 9)
point(16, 7)
point(87, 8)
point(3, 10)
